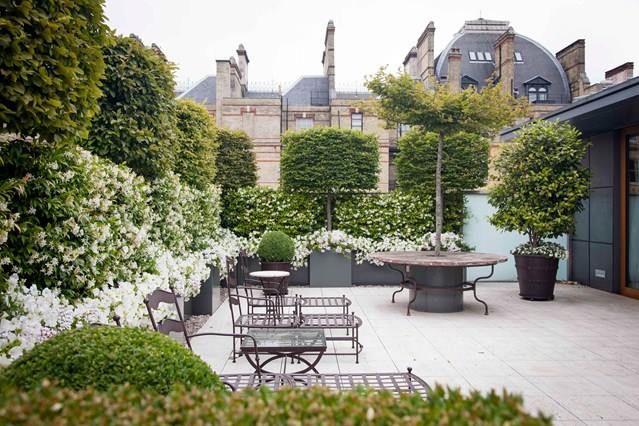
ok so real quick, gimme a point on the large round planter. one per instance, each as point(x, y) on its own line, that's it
point(275, 284)
point(536, 276)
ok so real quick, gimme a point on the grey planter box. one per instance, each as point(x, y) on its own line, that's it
point(330, 269)
point(207, 301)
point(370, 274)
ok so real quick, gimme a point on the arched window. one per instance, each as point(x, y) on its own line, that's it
point(542, 94)
point(532, 94)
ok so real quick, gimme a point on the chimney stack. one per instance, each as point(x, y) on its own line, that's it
point(573, 60)
point(426, 54)
point(242, 64)
point(621, 73)
point(410, 64)
point(328, 58)
point(505, 60)
point(454, 70)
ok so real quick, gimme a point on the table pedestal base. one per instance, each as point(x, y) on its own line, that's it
point(437, 290)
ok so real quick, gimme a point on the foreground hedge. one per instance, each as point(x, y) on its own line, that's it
point(105, 356)
point(314, 406)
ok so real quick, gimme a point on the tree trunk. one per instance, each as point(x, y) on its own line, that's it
point(439, 201)
point(329, 219)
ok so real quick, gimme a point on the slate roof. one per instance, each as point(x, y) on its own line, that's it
point(253, 94)
point(203, 92)
point(537, 62)
point(308, 91)
point(353, 95)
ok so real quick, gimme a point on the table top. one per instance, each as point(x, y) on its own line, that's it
point(269, 274)
point(446, 259)
point(277, 339)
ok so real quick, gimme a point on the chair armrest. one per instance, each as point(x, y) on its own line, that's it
point(237, 336)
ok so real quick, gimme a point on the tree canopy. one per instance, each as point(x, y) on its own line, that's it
point(236, 165)
point(50, 65)
point(540, 181)
point(136, 122)
point(329, 160)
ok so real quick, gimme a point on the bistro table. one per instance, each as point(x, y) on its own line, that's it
point(268, 279)
point(283, 344)
point(437, 283)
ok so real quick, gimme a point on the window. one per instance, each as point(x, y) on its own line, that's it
point(357, 121)
point(472, 56)
point(303, 123)
point(542, 94)
point(518, 57)
point(480, 56)
point(532, 94)
point(537, 93)
point(488, 56)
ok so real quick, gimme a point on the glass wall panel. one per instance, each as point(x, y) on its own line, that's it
point(633, 212)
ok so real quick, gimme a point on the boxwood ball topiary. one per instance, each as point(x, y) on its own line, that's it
point(276, 246)
point(105, 356)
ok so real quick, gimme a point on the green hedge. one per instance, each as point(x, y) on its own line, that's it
point(329, 160)
point(312, 406)
point(253, 211)
point(51, 63)
point(236, 164)
point(105, 356)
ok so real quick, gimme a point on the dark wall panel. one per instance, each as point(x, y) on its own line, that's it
point(601, 215)
point(580, 262)
point(602, 160)
point(601, 266)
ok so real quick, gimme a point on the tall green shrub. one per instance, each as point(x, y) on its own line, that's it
point(236, 165)
point(540, 182)
point(136, 122)
point(329, 160)
point(196, 145)
point(50, 66)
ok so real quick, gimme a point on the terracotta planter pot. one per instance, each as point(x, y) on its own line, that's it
point(275, 284)
point(536, 276)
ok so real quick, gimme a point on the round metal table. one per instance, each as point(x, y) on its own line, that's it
point(269, 277)
point(438, 283)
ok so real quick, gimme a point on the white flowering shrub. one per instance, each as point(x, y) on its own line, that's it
point(185, 218)
point(387, 215)
point(545, 248)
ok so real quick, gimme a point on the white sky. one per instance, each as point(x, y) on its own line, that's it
point(285, 39)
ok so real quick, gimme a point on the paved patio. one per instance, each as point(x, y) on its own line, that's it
point(576, 358)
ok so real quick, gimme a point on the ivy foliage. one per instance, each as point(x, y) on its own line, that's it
point(540, 181)
point(136, 122)
point(236, 165)
point(303, 406)
point(251, 211)
point(50, 66)
point(104, 356)
point(329, 160)
point(464, 165)
point(196, 146)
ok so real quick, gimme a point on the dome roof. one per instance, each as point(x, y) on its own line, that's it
point(536, 62)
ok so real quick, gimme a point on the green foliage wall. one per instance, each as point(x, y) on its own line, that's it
point(136, 122)
point(329, 160)
point(236, 165)
point(464, 166)
point(253, 210)
point(540, 181)
point(50, 65)
point(196, 145)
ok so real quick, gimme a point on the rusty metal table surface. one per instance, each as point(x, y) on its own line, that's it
point(446, 259)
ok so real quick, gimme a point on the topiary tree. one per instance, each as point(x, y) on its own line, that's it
point(540, 184)
point(329, 161)
point(196, 144)
point(103, 356)
point(440, 109)
point(51, 63)
point(136, 123)
point(236, 165)
point(276, 246)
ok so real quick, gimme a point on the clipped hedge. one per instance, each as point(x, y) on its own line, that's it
point(312, 406)
point(105, 356)
point(329, 160)
point(236, 164)
point(51, 64)
point(253, 211)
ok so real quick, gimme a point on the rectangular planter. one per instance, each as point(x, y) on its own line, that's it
point(207, 301)
point(370, 274)
point(330, 269)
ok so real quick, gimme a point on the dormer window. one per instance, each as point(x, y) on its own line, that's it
point(537, 89)
point(467, 82)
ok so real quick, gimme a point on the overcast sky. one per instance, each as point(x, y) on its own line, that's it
point(285, 39)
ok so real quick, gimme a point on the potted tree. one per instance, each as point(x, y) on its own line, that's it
point(540, 184)
point(276, 251)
